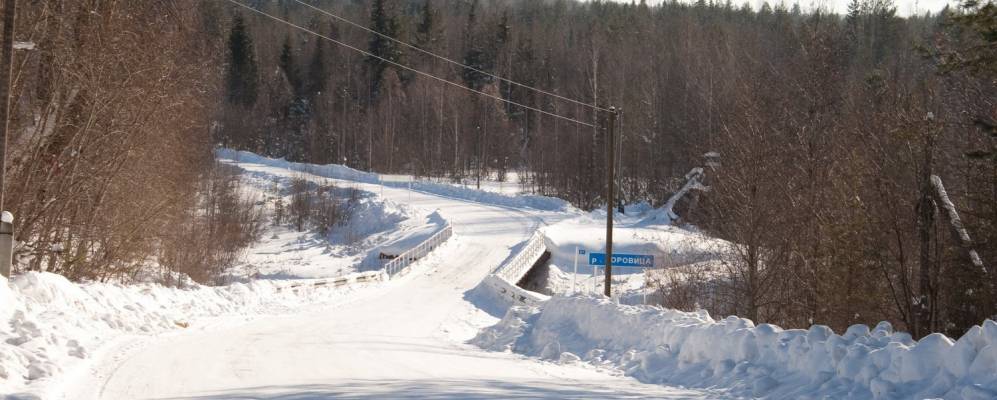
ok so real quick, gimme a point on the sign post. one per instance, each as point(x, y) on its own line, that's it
point(595, 279)
point(575, 276)
point(616, 260)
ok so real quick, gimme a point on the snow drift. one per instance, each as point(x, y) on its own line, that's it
point(51, 324)
point(658, 345)
point(334, 171)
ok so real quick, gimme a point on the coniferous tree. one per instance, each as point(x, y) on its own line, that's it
point(241, 77)
point(475, 55)
point(384, 23)
point(241, 83)
point(288, 66)
point(317, 71)
point(978, 49)
point(426, 31)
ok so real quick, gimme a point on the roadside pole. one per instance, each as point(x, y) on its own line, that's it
point(575, 275)
point(610, 191)
point(7, 223)
point(645, 286)
point(595, 278)
point(6, 243)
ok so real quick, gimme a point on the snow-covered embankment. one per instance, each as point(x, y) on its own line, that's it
point(336, 171)
point(658, 345)
point(54, 324)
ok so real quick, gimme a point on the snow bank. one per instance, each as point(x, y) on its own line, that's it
point(334, 171)
point(411, 235)
point(690, 348)
point(51, 324)
point(671, 247)
point(374, 225)
point(543, 203)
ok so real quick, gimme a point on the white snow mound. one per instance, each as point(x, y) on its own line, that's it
point(51, 324)
point(658, 345)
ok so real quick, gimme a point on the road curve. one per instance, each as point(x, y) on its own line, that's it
point(401, 339)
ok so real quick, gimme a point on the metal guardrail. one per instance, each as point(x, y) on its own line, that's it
point(340, 281)
point(399, 264)
point(515, 269)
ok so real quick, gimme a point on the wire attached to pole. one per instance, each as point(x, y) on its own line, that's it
point(462, 65)
point(407, 68)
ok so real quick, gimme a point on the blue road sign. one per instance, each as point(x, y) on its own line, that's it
point(623, 260)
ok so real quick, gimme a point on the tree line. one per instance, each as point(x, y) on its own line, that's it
point(829, 129)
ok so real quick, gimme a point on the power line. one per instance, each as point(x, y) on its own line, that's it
point(426, 74)
point(429, 53)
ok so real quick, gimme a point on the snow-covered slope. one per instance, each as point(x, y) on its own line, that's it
point(334, 171)
point(53, 325)
point(373, 226)
point(691, 349)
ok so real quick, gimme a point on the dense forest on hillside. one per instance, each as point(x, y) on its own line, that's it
point(829, 129)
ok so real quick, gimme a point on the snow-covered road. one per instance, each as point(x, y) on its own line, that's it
point(402, 339)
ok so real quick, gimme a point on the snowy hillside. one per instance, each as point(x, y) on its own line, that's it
point(373, 226)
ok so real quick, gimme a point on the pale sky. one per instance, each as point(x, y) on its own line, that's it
point(904, 7)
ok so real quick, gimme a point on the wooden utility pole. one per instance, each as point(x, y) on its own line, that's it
point(610, 191)
point(7, 220)
point(9, 9)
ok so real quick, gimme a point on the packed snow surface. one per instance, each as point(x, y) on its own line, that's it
point(692, 349)
point(54, 325)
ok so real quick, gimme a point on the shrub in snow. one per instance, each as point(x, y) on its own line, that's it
point(690, 348)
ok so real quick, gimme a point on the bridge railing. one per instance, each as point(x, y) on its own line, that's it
point(503, 280)
point(362, 277)
point(515, 269)
point(398, 265)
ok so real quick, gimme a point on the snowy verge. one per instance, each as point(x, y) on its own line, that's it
point(335, 171)
point(671, 246)
point(373, 226)
point(658, 345)
point(53, 325)
point(512, 294)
